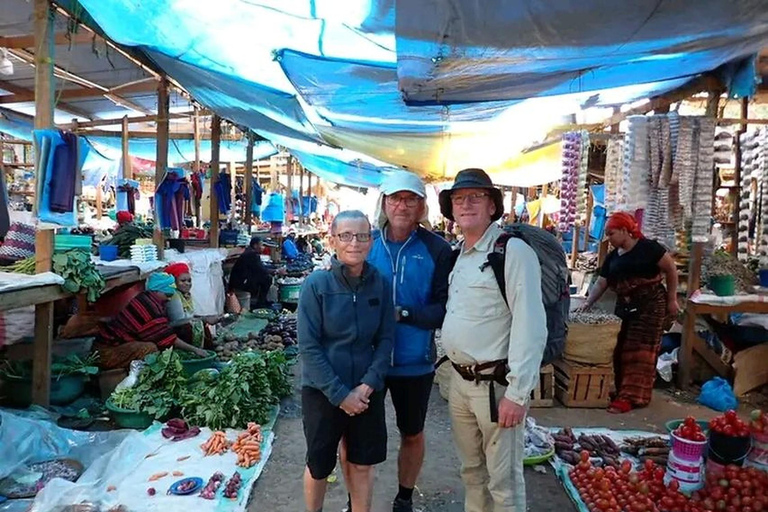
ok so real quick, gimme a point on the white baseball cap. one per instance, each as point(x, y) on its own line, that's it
point(403, 181)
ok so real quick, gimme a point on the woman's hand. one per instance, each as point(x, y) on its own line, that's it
point(673, 307)
point(583, 308)
point(355, 403)
point(200, 352)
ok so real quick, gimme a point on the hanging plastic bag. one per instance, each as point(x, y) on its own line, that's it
point(717, 394)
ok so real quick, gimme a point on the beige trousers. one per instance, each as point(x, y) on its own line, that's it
point(491, 457)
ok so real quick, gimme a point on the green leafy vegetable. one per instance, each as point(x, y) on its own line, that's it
point(79, 272)
point(60, 367)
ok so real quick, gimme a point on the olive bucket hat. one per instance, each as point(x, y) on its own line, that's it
point(471, 178)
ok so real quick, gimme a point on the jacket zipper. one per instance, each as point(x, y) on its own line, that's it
point(394, 264)
point(357, 325)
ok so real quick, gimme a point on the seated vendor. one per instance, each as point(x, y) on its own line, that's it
point(142, 327)
point(290, 250)
point(124, 217)
point(181, 310)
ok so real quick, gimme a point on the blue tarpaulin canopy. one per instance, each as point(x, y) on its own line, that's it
point(431, 86)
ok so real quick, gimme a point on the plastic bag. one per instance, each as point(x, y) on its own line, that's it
point(538, 440)
point(665, 363)
point(717, 394)
point(133, 375)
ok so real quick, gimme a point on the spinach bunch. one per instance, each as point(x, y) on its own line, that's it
point(278, 374)
point(79, 272)
point(158, 389)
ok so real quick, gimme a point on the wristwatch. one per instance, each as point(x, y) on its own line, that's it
point(404, 313)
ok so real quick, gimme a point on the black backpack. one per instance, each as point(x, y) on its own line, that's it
point(555, 280)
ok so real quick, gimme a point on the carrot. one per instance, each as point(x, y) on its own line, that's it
point(111, 488)
point(158, 476)
point(180, 459)
point(178, 473)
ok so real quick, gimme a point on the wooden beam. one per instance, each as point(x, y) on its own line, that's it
point(196, 163)
point(742, 121)
point(248, 183)
point(126, 161)
point(146, 134)
point(65, 107)
point(161, 160)
point(301, 193)
point(62, 73)
point(26, 95)
point(213, 232)
point(131, 120)
point(232, 171)
point(61, 39)
point(736, 192)
point(704, 83)
point(41, 365)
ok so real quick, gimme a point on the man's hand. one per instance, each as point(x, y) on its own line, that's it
point(510, 413)
point(355, 403)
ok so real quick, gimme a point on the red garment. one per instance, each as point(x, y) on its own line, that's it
point(177, 269)
point(143, 319)
point(124, 217)
point(623, 220)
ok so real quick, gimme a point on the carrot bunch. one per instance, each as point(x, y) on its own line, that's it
point(216, 445)
point(248, 446)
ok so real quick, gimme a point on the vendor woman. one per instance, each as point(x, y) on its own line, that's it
point(181, 311)
point(142, 327)
point(635, 270)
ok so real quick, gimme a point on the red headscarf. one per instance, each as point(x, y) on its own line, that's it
point(623, 220)
point(124, 217)
point(177, 269)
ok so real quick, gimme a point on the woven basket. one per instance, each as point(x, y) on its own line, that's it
point(591, 344)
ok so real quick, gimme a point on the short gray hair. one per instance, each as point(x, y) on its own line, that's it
point(348, 215)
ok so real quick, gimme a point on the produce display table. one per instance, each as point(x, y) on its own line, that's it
point(34, 294)
point(692, 342)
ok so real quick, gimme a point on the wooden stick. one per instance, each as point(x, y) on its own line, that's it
point(248, 183)
point(161, 160)
point(127, 171)
point(575, 245)
point(214, 203)
point(196, 164)
point(44, 106)
point(744, 120)
point(301, 193)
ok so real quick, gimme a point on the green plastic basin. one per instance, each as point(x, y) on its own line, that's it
point(126, 418)
point(192, 366)
point(64, 390)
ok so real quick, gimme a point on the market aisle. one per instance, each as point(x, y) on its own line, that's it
point(280, 488)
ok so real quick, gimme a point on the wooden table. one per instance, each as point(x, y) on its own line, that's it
point(692, 342)
point(35, 295)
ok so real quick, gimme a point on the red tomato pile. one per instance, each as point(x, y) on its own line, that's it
point(729, 425)
point(759, 423)
point(610, 490)
point(690, 430)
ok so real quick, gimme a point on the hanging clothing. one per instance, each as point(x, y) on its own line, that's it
point(223, 190)
point(170, 197)
point(5, 215)
point(131, 194)
point(64, 174)
point(196, 183)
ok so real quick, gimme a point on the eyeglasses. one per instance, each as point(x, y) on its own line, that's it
point(473, 198)
point(410, 202)
point(360, 237)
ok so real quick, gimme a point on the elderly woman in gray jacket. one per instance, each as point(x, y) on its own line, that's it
point(346, 326)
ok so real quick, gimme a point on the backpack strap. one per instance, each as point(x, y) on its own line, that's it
point(496, 261)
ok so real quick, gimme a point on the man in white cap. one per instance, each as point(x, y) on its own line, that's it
point(417, 263)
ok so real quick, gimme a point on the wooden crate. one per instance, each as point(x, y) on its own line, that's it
point(543, 395)
point(583, 386)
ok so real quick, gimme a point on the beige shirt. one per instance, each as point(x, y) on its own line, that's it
point(478, 325)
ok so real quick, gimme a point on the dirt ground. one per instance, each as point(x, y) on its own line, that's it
point(439, 490)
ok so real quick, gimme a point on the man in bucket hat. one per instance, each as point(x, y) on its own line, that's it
point(495, 349)
point(416, 262)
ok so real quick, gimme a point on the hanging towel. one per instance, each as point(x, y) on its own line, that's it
point(64, 177)
point(223, 190)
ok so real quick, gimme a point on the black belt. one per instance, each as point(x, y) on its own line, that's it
point(472, 374)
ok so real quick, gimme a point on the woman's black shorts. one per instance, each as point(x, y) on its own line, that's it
point(325, 425)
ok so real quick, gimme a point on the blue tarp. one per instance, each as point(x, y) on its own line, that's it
point(352, 71)
point(480, 50)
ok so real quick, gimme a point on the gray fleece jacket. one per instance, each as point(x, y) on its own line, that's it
point(346, 331)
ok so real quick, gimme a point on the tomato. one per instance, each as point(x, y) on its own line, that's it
point(736, 483)
point(584, 455)
point(720, 505)
point(709, 504)
point(731, 508)
point(746, 509)
point(758, 505)
point(717, 493)
point(730, 415)
point(728, 431)
point(674, 485)
point(649, 464)
point(736, 502)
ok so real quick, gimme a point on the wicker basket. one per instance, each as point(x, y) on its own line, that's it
point(591, 344)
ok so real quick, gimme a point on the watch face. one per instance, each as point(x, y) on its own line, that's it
point(404, 313)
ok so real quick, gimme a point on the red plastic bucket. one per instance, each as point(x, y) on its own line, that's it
point(685, 449)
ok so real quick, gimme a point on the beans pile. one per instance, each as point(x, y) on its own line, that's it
point(594, 317)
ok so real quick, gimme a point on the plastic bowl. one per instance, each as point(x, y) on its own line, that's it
point(192, 366)
point(126, 418)
point(673, 424)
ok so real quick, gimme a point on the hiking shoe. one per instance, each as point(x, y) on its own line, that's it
point(401, 505)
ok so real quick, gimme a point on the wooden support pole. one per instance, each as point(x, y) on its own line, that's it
point(214, 203)
point(127, 171)
point(232, 171)
point(575, 245)
point(588, 220)
point(301, 194)
point(44, 104)
point(289, 180)
point(196, 164)
point(161, 159)
point(248, 182)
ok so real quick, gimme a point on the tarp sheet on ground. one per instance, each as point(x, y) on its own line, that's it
point(333, 71)
point(119, 463)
